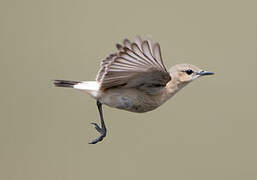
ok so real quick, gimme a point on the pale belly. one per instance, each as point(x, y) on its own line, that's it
point(129, 99)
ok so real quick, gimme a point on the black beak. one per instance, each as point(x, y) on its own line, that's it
point(204, 73)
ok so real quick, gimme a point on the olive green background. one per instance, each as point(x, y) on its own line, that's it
point(206, 132)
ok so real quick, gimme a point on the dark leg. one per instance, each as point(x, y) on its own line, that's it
point(102, 130)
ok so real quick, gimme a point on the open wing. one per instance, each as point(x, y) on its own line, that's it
point(138, 64)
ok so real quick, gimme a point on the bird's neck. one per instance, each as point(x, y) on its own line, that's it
point(172, 87)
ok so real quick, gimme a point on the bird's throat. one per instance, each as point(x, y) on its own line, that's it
point(171, 89)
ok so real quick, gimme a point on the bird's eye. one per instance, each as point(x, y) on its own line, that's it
point(189, 71)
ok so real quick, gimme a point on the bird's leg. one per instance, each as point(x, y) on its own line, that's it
point(102, 130)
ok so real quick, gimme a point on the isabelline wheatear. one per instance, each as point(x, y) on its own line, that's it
point(134, 79)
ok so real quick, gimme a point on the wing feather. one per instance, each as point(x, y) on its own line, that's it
point(157, 54)
point(138, 42)
point(148, 53)
point(127, 43)
point(137, 64)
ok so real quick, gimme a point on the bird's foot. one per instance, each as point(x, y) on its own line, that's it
point(102, 131)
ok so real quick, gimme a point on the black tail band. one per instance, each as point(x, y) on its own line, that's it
point(65, 83)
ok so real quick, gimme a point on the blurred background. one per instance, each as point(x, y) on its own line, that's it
point(207, 131)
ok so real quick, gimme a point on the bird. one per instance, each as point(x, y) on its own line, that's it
point(135, 79)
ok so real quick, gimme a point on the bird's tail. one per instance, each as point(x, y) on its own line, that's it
point(91, 87)
point(65, 83)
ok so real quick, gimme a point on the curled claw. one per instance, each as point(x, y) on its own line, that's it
point(100, 138)
point(97, 127)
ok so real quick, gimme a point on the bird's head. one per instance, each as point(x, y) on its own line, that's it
point(185, 73)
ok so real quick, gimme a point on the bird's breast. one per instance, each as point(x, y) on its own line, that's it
point(129, 99)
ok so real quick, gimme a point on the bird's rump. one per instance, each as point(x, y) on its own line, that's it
point(138, 64)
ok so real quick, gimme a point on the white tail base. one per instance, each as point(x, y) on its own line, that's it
point(91, 87)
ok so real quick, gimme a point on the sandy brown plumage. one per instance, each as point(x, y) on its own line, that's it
point(134, 79)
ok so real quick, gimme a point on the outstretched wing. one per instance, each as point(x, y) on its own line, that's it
point(136, 64)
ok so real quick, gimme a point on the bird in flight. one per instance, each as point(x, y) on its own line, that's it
point(134, 79)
